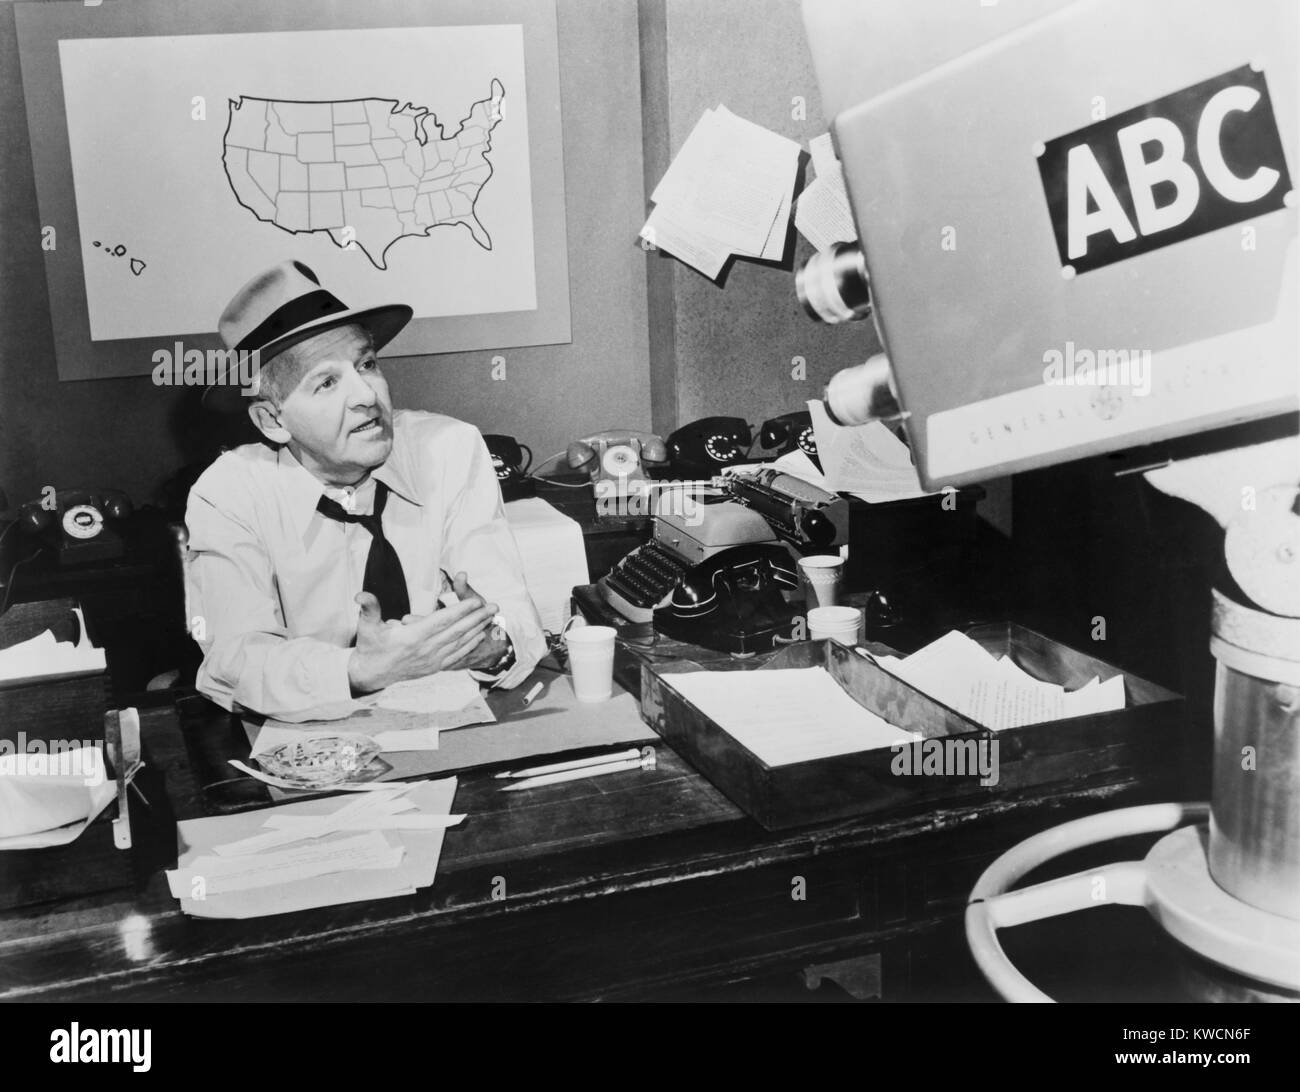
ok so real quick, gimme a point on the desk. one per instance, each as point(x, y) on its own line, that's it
point(637, 885)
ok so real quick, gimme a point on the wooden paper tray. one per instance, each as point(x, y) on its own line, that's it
point(1131, 742)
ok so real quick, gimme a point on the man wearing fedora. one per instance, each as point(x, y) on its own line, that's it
point(318, 563)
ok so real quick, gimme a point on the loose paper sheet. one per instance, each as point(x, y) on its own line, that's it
point(45, 657)
point(407, 716)
point(306, 874)
point(441, 692)
point(868, 461)
point(729, 190)
point(380, 810)
point(994, 691)
point(822, 150)
point(48, 800)
point(223, 875)
point(683, 240)
point(823, 215)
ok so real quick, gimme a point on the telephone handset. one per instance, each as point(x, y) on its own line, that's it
point(790, 432)
point(732, 601)
point(618, 455)
point(510, 466)
point(738, 574)
point(704, 447)
point(74, 523)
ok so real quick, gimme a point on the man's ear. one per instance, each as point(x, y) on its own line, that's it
point(266, 417)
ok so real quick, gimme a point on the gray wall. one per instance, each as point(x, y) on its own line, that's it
point(728, 348)
point(129, 434)
point(734, 341)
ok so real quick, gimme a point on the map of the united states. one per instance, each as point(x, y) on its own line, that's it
point(362, 170)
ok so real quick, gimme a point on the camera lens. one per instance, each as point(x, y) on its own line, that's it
point(833, 285)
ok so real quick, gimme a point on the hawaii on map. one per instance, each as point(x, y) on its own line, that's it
point(364, 171)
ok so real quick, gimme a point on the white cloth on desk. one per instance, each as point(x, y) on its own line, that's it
point(555, 558)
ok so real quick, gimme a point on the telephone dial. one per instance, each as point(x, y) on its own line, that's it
point(511, 466)
point(704, 447)
point(76, 523)
point(790, 432)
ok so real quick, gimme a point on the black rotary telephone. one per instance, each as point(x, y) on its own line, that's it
point(77, 524)
point(790, 432)
point(704, 447)
point(732, 601)
point(511, 467)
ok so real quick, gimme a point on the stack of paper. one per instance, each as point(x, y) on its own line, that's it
point(786, 715)
point(994, 691)
point(319, 852)
point(728, 191)
point(823, 216)
point(555, 559)
point(44, 657)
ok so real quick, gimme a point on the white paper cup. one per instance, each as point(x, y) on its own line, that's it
point(843, 624)
point(591, 659)
point(822, 576)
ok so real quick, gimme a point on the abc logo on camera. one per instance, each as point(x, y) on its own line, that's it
point(1189, 163)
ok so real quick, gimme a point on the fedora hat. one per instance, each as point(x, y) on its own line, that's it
point(286, 304)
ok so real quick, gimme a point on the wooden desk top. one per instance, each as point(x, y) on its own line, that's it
point(558, 846)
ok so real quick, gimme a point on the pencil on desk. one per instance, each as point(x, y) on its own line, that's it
point(573, 764)
point(645, 760)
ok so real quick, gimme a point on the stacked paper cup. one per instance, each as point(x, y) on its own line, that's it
point(843, 624)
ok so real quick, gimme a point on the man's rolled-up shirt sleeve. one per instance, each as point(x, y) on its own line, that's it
point(480, 544)
point(249, 659)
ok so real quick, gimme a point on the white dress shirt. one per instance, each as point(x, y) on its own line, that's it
point(271, 581)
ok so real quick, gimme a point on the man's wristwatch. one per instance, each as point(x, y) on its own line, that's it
point(507, 659)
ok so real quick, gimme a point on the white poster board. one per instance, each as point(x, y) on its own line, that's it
point(401, 163)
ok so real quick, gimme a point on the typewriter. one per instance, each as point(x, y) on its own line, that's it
point(715, 569)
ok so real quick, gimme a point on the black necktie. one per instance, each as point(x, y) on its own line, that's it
point(384, 578)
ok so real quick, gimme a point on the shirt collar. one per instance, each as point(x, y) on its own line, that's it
point(304, 490)
point(398, 473)
point(394, 475)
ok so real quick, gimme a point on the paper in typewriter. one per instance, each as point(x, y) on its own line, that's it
point(786, 715)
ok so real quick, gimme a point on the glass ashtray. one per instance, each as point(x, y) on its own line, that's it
point(326, 758)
